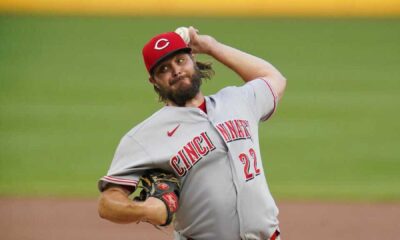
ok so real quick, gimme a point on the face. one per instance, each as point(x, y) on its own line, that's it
point(177, 79)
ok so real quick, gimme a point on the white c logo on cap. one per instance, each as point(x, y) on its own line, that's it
point(161, 44)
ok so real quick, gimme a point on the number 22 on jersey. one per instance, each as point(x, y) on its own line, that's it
point(249, 164)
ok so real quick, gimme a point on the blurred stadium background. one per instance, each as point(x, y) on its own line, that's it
point(72, 82)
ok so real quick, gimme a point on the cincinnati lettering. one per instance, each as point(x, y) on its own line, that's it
point(233, 130)
point(191, 153)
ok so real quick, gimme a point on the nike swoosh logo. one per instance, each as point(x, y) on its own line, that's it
point(170, 133)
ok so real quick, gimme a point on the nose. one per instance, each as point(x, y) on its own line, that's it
point(176, 70)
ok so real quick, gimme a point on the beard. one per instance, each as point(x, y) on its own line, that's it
point(181, 94)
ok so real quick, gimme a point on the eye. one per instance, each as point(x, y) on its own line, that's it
point(181, 60)
point(163, 69)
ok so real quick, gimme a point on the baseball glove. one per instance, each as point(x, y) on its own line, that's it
point(164, 186)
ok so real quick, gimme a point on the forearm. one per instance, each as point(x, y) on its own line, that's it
point(247, 66)
point(115, 206)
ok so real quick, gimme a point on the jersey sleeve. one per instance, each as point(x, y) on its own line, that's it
point(129, 163)
point(260, 96)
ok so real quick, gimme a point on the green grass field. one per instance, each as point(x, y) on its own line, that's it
point(70, 87)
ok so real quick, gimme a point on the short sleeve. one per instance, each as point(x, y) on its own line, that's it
point(129, 163)
point(261, 98)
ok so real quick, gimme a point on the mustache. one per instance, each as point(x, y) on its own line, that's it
point(177, 79)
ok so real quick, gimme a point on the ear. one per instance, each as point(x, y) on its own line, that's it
point(152, 80)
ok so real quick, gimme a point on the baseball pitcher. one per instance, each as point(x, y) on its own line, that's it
point(197, 161)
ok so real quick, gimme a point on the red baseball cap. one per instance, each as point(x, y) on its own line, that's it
point(161, 47)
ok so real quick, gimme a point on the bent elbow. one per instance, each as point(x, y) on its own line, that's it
point(102, 214)
point(283, 81)
point(278, 84)
point(282, 88)
point(102, 207)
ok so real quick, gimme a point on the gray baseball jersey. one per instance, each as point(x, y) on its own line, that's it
point(217, 158)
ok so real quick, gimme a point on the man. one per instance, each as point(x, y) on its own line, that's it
point(209, 142)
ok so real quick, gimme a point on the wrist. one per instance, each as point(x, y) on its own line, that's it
point(154, 211)
point(212, 47)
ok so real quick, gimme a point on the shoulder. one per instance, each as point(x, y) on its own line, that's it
point(240, 91)
point(148, 123)
point(226, 92)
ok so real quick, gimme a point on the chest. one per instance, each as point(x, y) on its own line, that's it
point(185, 146)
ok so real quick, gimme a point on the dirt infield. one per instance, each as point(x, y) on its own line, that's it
point(45, 219)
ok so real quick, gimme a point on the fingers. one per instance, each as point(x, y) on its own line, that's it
point(195, 40)
point(195, 29)
point(193, 34)
point(200, 44)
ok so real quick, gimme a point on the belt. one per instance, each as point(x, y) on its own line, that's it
point(273, 237)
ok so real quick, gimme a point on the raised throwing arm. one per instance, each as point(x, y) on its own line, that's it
point(247, 66)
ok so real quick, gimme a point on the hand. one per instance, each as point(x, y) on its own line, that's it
point(155, 211)
point(201, 43)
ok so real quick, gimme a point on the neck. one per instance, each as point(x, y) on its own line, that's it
point(194, 102)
